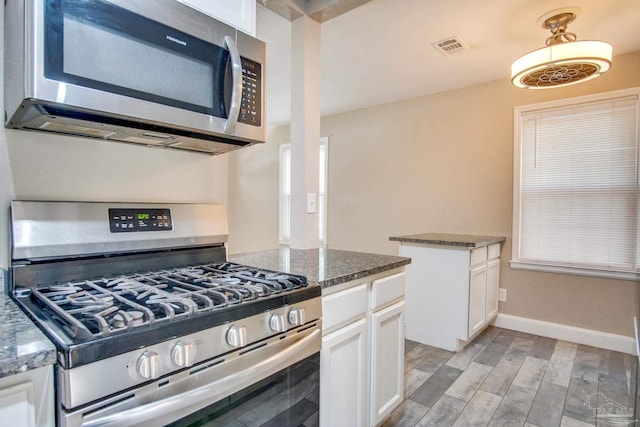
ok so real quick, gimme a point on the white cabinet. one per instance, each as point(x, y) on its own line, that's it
point(26, 398)
point(343, 376)
point(477, 298)
point(493, 284)
point(387, 361)
point(237, 13)
point(451, 292)
point(362, 356)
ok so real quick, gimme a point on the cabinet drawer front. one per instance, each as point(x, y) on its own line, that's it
point(344, 307)
point(494, 251)
point(478, 256)
point(387, 290)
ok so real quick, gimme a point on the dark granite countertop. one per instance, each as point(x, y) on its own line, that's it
point(24, 346)
point(327, 267)
point(446, 239)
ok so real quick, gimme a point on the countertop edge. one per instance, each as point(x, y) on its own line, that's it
point(334, 281)
point(323, 267)
point(483, 241)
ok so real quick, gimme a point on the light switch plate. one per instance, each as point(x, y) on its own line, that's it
point(311, 203)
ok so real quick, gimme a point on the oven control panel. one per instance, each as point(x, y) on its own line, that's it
point(135, 220)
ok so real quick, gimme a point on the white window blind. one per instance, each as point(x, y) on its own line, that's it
point(578, 186)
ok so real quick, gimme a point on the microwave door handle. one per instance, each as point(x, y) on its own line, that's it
point(236, 94)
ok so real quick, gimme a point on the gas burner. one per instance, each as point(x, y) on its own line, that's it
point(101, 307)
point(123, 318)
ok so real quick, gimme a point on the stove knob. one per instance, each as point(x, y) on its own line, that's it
point(296, 316)
point(278, 323)
point(149, 365)
point(183, 354)
point(237, 336)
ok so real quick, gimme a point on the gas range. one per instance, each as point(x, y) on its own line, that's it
point(141, 304)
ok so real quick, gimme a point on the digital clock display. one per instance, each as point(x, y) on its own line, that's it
point(136, 220)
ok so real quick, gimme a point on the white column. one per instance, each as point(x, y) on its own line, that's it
point(305, 132)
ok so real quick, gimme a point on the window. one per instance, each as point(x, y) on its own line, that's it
point(322, 192)
point(576, 186)
point(285, 192)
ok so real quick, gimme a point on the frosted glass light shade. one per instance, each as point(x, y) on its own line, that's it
point(561, 64)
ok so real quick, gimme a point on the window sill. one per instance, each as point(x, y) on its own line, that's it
point(579, 271)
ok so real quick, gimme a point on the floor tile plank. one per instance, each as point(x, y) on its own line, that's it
point(519, 349)
point(531, 373)
point(499, 380)
point(443, 413)
point(514, 407)
point(415, 356)
point(548, 404)
point(437, 358)
point(543, 348)
point(561, 364)
point(584, 383)
point(468, 382)
point(571, 422)
point(463, 359)
point(407, 415)
point(414, 379)
point(479, 410)
point(430, 391)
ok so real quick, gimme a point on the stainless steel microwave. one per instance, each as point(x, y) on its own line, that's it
point(157, 73)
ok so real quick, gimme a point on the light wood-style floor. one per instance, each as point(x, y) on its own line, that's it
point(507, 378)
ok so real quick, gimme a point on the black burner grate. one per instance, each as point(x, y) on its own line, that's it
point(95, 308)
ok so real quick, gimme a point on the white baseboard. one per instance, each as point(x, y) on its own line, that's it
point(558, 331)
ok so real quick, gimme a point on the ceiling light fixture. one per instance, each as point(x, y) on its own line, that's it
point(564, 61)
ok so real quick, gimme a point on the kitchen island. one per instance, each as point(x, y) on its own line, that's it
point(452, 286)
point(362, 356)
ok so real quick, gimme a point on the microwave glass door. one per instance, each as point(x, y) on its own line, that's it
point(105, 47)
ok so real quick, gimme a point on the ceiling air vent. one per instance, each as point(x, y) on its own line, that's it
point(450, 45)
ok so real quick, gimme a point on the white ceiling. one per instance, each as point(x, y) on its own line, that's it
point(381, 51)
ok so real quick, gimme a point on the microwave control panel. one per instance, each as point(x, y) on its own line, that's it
point(251, 104)
point(134, 220)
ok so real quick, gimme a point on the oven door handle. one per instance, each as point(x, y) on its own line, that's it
point(193, 400)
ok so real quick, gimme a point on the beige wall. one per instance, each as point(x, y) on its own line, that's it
point(439, 163)
point(444, 163)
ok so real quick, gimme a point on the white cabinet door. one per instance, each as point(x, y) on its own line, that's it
point(26, 398)
point(17, 405)
point(477, 298)
point(343, 376)
point(493, 280)
point(238, 13)
point(387, 361)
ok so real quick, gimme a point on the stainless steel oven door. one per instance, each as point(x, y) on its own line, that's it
point(180, 396)
point(287, 398)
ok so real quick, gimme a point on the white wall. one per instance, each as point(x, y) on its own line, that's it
point(253, 172)
point(45, 166)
